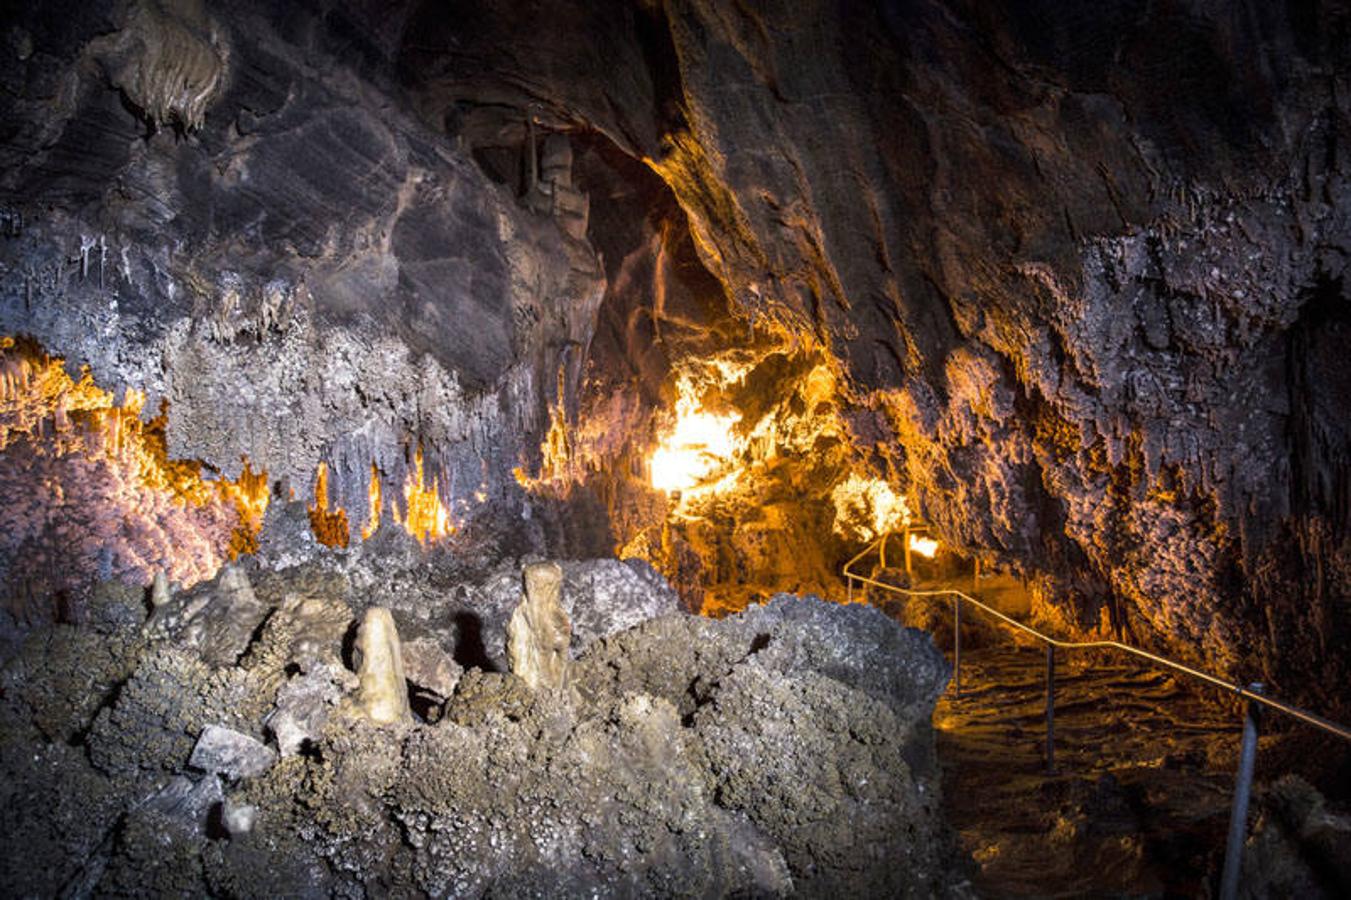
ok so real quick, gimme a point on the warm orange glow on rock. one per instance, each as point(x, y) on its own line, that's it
point(926, 547)
point(428, 520)
point(373, 510)
point(329, 524)
point(251, 496)
point(92, 479)
point(868, 507)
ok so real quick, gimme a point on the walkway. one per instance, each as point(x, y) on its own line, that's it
point(1140, 805)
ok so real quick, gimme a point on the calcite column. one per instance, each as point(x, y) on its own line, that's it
point(540, 632)
point(383, 695)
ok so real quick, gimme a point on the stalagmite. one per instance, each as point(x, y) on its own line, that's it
point(539, 632)
point(159, 590)
point(383, 695)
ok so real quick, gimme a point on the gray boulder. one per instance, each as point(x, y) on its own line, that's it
point(224, 751)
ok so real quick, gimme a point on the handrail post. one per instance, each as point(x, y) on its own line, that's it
point(957, 645)
point(1050, 709)
point(849, 580)
point(1238, 815)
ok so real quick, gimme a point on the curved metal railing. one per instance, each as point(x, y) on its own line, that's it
point(1238, 690)
point(1252, 693)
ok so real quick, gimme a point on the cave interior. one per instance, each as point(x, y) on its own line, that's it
point(433, 436)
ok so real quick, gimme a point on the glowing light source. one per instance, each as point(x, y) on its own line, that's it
point(428, 519)
point(868, 507)
point(926, 547)
point(699, 447)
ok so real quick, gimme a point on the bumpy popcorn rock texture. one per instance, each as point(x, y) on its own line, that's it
point(785, 750)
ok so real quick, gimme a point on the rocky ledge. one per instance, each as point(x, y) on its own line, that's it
point(251, 738)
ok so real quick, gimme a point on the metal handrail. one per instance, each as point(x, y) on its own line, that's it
point(1238, 690)
point(1238, 816)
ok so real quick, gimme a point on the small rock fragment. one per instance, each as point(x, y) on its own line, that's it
point(224, 751)
point(383, 695)
point(304, 704)
point(187, 801)
point(539, 632)
point(238, 819)
point(427, 665)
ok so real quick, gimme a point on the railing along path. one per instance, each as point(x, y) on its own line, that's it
point(1252, 693)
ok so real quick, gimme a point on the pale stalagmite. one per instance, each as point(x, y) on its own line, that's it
point(159, 590)
point(383, 695)
point(539, 632)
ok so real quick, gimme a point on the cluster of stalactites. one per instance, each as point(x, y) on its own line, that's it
point(169, 59)
point(351, 501)
point(87, 479)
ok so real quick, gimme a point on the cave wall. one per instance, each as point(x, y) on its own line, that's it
point(1065, 257)
point(281, 252)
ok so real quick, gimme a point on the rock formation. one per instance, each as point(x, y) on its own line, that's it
point(159, 590)
point(539, 632)
point(643, 780)
point(383, 693)
point(224, 751)
point(372, 302)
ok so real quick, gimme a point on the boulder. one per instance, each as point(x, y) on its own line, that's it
point(224, 751)
point(427, 665)
point(217, 619)
point(304, 704)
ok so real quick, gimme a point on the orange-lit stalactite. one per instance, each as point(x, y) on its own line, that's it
point(329, 525)
point(428, 519)
point(376, 502)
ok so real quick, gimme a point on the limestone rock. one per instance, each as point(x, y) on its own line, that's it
point(304, 704)
point(606, 596)
point(539, 632)
point(224, 751)
point(159, 590)
point(600, 596)
point(383, 695)
point(218, 619)
point(427, 665)
point(187, 801)
point(317, 625)
point(238, 818)
point(169, 61)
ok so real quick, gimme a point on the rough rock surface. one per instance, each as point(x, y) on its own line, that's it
point(1298, 848)
point(427, 665)
point(304, 271)
point(539, 632)
point(1047, 254)
point(219, 618)
point(224, 751)
point(1081, 272)
point(383, 693)
point(603, 596)
point(781, 751)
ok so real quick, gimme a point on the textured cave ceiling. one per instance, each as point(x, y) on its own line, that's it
point(1074, 277)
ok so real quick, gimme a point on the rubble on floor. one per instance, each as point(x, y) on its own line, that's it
point(784, 750)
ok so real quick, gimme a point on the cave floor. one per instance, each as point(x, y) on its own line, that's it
point(1139, 802)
